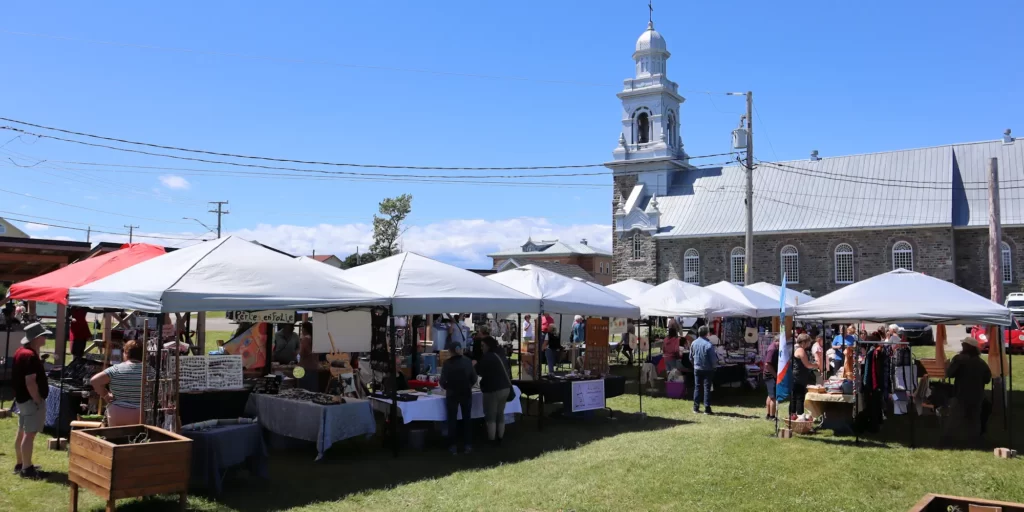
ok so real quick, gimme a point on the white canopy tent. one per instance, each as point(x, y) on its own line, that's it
point(563, 295)
point(676, 298)
point(418, 285)
point(604, 289)
point(774, 291)
point(762, 305)
point(222, 275)
point(902, 295)
point(630, 288)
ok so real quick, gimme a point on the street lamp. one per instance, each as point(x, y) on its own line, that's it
point(208, 228)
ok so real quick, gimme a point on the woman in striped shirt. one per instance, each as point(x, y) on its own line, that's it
point(124, 396)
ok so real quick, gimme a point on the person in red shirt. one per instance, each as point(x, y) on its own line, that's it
point(670, 348)
point(80, 333)
point(545, 322)
point(30, 389)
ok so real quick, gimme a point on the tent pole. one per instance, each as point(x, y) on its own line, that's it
point(1002, 376)
point(639, 366)
point(7, 351)
point(519, 343)
point(1009, 404)
point(394, 383)
point(159, 361)
point(537, 370)
point(63, 366)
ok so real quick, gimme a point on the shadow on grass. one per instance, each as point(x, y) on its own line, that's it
point(362, 465)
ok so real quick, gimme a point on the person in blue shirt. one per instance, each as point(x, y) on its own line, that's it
point(705, 360)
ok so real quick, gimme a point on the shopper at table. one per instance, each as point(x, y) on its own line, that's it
point(121, 387)
point(970, 374)
point(803, 374)
point(771, 373)
point(459, 333)
point(495, 384)
point(286, 344)
point(28, 377)
point(80, 334)
point(670, 349)
point(624, 342)
point(457, 380)
point(552, 347)
point(834, 357)
point(527, 328)
point(310, 381)
point(705, 360)
point(579, 330)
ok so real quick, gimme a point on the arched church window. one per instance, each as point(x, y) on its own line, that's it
point(643, 128)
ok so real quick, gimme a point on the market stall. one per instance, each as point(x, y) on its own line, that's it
point(316, 417)
point(921, 298)
point(417, 285)
point(53, 288)
point(219, 445)
point(430, 406)
point(565, 296)
point(229, 274)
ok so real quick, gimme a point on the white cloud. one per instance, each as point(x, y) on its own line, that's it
point(32, 226)
point(174, 181)
point(461, 242)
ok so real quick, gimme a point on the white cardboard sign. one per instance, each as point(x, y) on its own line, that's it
point(588, 395)
point(350, 331)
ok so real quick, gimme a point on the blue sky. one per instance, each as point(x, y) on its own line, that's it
point(330, 81)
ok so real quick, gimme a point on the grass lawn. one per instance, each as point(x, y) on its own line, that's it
point(672, 460)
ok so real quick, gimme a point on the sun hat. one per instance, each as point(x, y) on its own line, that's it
point(970, 340)
point(33, 331)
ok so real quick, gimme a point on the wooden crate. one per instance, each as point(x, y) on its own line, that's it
point(942, 503)
point(103, 461)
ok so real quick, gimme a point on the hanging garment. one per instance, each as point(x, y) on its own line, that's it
point(648, 374)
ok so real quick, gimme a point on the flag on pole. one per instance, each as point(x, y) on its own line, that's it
point(782, 378)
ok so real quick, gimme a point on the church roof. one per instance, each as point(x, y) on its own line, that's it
point(651, 40)
point(565, 269)
point(554, 248)
point(937, 186)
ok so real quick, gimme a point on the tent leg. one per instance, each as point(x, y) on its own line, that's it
point(159, 363)
point(639, 365)
point(7, 350)
point(519, 343)
point(63, 366)
point(394, 383)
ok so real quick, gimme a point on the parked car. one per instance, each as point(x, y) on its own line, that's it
point(1015, 336)
point(1015, 303)
point(917, 333)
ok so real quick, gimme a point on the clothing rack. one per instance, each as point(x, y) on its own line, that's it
point(857, 381)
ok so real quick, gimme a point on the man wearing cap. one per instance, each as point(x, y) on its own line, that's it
point(30, 390)
point(970, 375)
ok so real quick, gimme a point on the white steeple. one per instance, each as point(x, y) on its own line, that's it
point(650, 105)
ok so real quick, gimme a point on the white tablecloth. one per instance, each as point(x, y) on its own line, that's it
point(431, 408)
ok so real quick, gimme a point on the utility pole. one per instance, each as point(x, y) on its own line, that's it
point(748, 253)
point(220, 212)
point(131, 231)
point(88, 235)
point(995, 234)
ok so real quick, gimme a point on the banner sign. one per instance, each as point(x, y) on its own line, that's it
point(587, 395)
point(270, 317)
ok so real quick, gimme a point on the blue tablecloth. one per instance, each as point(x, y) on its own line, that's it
point(222, 447)
point(322, 424)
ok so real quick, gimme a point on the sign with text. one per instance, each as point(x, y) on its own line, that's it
point(595, 358)
point(587, 395)
point(270, 317)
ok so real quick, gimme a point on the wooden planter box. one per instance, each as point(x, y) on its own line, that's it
point(111, 463)
point(941, 503)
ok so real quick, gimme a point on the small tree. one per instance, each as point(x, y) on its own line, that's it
point(388, 226)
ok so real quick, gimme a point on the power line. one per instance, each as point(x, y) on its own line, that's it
point(303, 162)
point(158, 237)
point(867, 180)
point(90, 209)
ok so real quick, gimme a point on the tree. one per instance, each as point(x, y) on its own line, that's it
point(352, 261)
point(388, 228)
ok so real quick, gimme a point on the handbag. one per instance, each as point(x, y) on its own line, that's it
point(508, 378)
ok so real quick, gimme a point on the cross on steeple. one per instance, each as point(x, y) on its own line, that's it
point(650, 14)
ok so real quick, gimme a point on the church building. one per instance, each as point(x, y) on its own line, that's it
point(823, 221)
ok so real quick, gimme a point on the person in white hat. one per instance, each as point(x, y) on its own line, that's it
point(30, 389)
point(970, 375)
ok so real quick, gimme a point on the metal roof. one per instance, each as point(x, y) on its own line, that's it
point(565, 269)
point(556, 248)
point(937, 186)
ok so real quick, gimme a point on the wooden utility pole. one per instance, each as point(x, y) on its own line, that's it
point(748, 253)
point(995, 234)
point(131, 232)
point(220, 212)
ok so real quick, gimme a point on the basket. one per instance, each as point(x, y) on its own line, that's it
point(675, 389)
point(801, 427)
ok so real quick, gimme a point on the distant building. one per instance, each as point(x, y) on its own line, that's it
point(8, 229)
point(560, 257)
point(329, 259)
point(825, 222)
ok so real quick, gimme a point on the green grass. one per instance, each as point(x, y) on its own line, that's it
point(672, 460)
